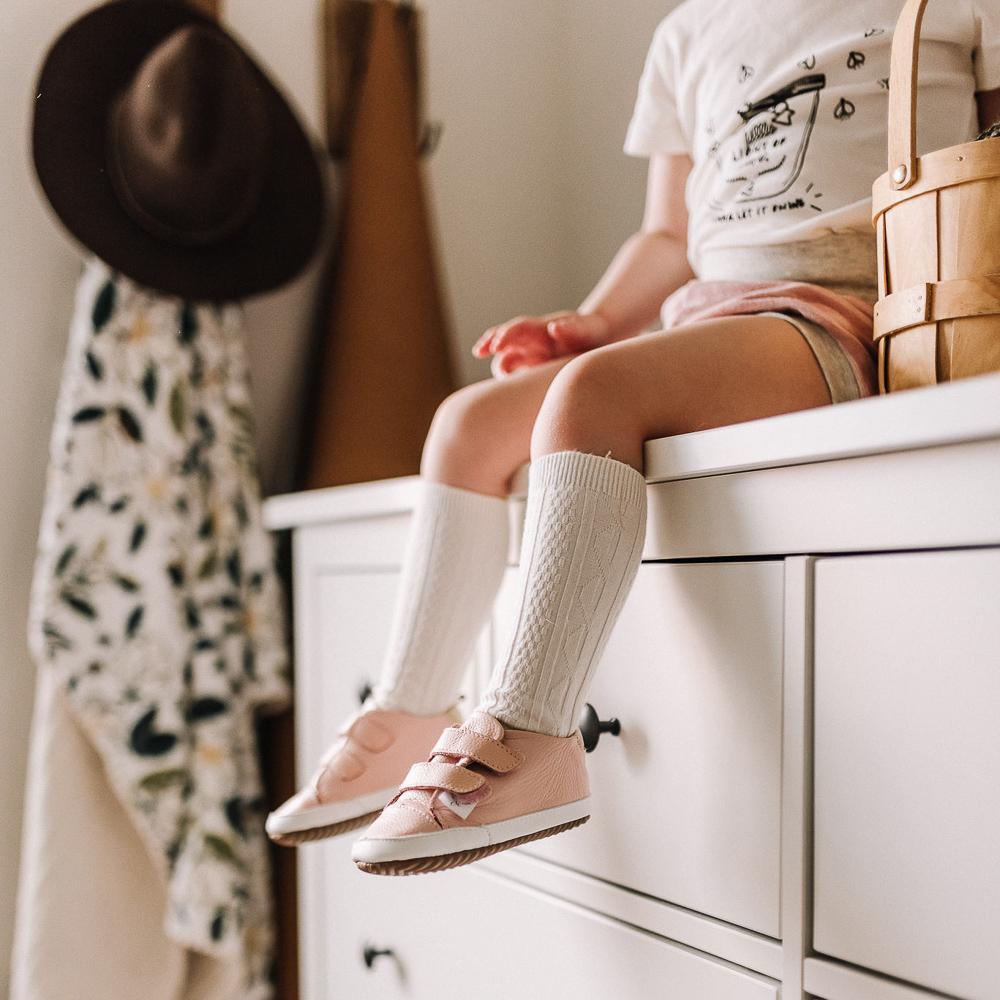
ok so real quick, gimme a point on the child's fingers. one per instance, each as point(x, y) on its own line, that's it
point(502, 365)
point(487, 343)
point(481, 348)
point(579, 333)
point(525, 341)
point(499, 337)
point(522, 333)
point(506, 362)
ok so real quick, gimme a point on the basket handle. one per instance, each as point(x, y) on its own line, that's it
point(903, 96)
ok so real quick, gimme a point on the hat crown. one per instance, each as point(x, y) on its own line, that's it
point(170, 153)
point(189, 137)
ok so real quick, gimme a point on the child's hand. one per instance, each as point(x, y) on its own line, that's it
point(530, 340)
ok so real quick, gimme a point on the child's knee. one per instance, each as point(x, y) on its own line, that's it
point(589, 382)
point(465, 411)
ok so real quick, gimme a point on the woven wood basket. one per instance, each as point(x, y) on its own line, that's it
point(937, 219)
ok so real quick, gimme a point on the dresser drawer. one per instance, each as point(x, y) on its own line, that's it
point(342, 627)
point(345, 619)
point(907, 766)
point(460, 934)
point(686, 801)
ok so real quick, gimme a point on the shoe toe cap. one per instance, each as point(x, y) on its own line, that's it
point(282, 820)
point(401, 819)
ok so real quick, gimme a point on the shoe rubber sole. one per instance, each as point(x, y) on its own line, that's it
point(421, 866)
point(322, 832)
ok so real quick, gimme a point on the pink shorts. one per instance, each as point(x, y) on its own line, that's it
point(837, 327)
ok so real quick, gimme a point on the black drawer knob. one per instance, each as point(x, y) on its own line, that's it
point(371, 954)
point(592, 726)
point(364, 692)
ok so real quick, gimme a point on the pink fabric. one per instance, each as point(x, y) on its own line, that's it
point(846, 317)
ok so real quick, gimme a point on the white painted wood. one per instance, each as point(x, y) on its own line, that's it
point(781, 505)
point(907, 767)
point(362, 528)
point(709, 670)
point(340, 628)
point(752, 951)
point(465, 933)
point(359, 545)
point(341, 503)
point(826, 980)
point(351, 613)
point(935, 497)
point(796, 773)
point(686, 802)
point(342, 620)
point(938, 497)
point(308, 677)
point(965, 410)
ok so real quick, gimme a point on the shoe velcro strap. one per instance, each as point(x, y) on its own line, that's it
point(491, 753)
point(438, 774)
point(371, 735)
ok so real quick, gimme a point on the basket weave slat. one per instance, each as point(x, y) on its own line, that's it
point(938, 239)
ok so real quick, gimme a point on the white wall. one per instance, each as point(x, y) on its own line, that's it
point(532, 191)
point(603, 189)
point(532, 197)
point(37, 271)
point(495, 184)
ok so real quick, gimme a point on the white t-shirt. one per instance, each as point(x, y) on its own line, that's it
point(783, 105)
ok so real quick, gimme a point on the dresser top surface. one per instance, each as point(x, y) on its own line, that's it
point(953, 412)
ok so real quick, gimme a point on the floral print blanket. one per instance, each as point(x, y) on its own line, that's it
point(156, 600)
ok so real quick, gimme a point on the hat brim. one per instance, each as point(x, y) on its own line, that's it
point(88, 65)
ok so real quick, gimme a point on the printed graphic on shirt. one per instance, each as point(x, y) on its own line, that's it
point(764, 158)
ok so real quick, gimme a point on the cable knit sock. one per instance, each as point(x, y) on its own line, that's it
point(585, 525)
point(453, 564)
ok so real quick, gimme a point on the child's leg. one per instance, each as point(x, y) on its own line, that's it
point(585, 521)
point(454, 560)
point(457, 545)
point(510, 774)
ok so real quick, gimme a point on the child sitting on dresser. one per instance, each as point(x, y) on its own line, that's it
point(765, 126)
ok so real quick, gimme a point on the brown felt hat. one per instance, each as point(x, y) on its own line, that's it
point(166, 151)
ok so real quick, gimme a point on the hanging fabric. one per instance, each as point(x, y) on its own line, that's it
point(155, 602)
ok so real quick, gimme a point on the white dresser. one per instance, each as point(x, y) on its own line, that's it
point(804, 799)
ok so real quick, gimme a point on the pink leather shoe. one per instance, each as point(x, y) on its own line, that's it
point(357, 775)
point(482, 790)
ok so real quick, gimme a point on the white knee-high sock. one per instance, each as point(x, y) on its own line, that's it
point(453, 563)
point(585, 524)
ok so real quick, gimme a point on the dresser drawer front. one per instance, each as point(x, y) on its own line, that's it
point(686, 801)
point(342, 628)
point(907, 766)
point(348, 617)
point(460, 934)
